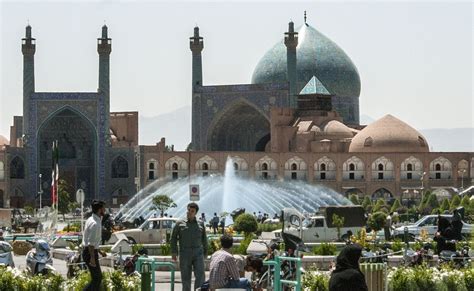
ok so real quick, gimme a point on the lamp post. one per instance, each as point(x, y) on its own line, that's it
point(40, 192)
point(80, 199)
point(422, 185)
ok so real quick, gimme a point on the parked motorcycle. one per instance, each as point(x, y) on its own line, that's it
point(6, 257)
point(459, 258)
point(74, 261)
point(39, 259)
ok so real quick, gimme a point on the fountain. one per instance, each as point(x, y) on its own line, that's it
point(226, 193)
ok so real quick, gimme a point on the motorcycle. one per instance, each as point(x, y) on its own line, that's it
point(39, 260)
point(460, 258)
point(6, 257)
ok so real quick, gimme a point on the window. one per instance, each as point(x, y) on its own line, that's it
point(438, 167)
point(265, 167)
point(119, 167)
point(368, 142)
point(323, 176)
point(2, 171)
point(318, 223)
point(151, 166)
point(409, 167)
point(151, 175)
point(380, 176)
point(294, 167)
point(205, 166)
point(174, 166)
point(265, 175)
point(236, 167)
point(351, 176)
point(351, 167)
point(175, 175)
point(17, 168)
point(294, 176)
point(323, 167)
point(409, 176)
point(380, 167)
point(438, 176)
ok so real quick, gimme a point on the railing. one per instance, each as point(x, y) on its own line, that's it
point(375, 276)
point(277, 281)
point(140, 267)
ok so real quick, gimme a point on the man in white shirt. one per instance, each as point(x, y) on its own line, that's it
point(91, 241)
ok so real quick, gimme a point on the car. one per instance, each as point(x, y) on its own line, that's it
point(430, 224)
point(154, 230)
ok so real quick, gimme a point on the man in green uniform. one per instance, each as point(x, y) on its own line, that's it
point(190, 234)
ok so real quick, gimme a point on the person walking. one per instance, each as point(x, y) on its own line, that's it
point(91, 241)
point(190, 235)
point(215, 222)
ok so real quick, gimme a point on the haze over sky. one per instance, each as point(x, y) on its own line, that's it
point(414, 59)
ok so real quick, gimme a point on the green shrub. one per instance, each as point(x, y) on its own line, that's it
point(314, 280)
point(397, 245)
point(242, 248)
point(325, 249)
point(246, 223)
point(165, 249)
point(267, 227)
point(377, 220)
point(136, 248)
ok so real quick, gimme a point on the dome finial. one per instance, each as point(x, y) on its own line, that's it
point(305, 17)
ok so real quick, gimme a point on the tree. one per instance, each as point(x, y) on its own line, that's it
point(246, 223)
point(163, 203)
point(380, 205)
point(354, 199)
point(377, 221)
point(444, 205)
point(367, 202)
point(64, 197)
point(338, 222)
point(465, 202)
point(396, 206)
point(455, 202)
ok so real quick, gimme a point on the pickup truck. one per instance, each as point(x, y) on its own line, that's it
point(319, 228)
point(155, 230)
point(430, 223)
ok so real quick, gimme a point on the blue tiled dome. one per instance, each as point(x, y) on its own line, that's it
point(317, 56)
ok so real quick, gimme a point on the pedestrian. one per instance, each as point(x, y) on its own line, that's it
point(223, 269)
point(215, 222)
point(190, 235)
point(347, 275)
point(222, 224)
point(91, 241)
point(388, 227)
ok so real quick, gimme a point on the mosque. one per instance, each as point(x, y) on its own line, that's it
point(297, 120)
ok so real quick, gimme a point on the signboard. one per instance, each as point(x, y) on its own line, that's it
point(80, 196)
point(194, 192)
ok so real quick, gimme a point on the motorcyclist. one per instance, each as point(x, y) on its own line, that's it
point(444, 235)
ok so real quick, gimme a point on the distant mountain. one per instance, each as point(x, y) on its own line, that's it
point(176, 127)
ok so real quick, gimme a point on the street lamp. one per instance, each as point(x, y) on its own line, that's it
point(40, 192)
point(422, 185)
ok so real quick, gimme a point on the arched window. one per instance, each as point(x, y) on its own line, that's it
point(352, 167)
point(151, 166)
point(323, 167)
point(205, 166)
point(236, 167)
point(119, 167)
point(380, 167)
point(17, 168)
point(438, 167)
point(264, 167)
point(175, 167)
point(294, 167)
point(409, 167)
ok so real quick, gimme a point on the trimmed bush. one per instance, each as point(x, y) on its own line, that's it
point(325, 249)
point(246, 223)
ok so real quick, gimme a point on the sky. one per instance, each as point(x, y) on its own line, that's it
point(414, 58)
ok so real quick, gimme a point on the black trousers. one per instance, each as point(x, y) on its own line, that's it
point(96, 273)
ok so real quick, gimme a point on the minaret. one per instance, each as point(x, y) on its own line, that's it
point(196, 44)
point(28, 48)
point(104, 48)
point(291, 42)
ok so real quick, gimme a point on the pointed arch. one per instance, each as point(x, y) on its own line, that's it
point(17, 168)
point(411, 169)
point(206, 165)
point(382, 169)
point(325, 169)
point(295, 168)
point(241, 126)
point(441, 168)
point(176, 167)
point(119, 167)
point(353, 169)
point(266, 168)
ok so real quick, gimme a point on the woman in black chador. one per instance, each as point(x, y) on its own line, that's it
point(347, 275)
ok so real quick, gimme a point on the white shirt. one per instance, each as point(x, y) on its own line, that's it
point(92, 232)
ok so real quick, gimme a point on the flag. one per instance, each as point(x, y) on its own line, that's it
point(54, 173)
